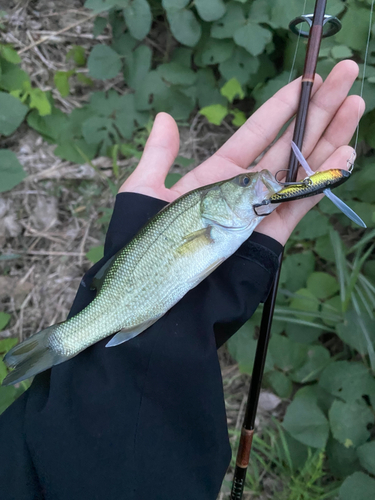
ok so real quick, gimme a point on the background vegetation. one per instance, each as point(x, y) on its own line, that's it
point(224, 59)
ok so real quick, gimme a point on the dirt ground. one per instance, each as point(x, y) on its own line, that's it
point(51, 219)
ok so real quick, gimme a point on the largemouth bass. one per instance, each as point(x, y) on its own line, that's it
point(171, 254)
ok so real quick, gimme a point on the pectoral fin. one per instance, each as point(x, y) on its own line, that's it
point(197, 238)
point(129, 333)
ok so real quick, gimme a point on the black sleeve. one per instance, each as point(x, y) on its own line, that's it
point(144, 420)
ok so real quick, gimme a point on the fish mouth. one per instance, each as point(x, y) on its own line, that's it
point(266, 185)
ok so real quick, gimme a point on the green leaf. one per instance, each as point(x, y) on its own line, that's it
point(305, 334)
point(312, 226)
point(296, 269)
point(7, 396)
point(137, 65)
point(349, 422)
point(184, 27)
point(7, 344)
point(322, 285)
point(50, 126)
point(341, 52)
point(95, 254)
point(350, 333)
point(210, 10)
point(182, 161)
point(12, 113)
point(348, 381)
point(232, 89)
point(264, 92)
point(332, 306)
point(292, 450)
point(174, 4)
point(207, 91)
point(280, 383)
point(216, 51)
point(171, 179)
point(11, 170)
point(77, 53)
point(177, 74)
point(287, 355)
point(215, 113)
point(323, 247)
point(12, 77)
point(138, 18)
point(342, 461)
point(316, 394)
point(100, 24)
point(114, 116)
point(103, 62)
point(61, 79)
point(76, 151)
point(241, 65)
point(242, 347)
point(304, 301)
point(355, 39)
point(39, 100)
point(239, 117)
point(366, 455)
point(306, 422)
point(124, 45)
point(317, 358)
point(358, 486)
point(100, 5)
point(253, 38)
point(85, 80)
point(229, 23)
point(4, 319)
point(9, 54)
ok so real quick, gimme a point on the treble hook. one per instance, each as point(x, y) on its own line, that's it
point(304, 182)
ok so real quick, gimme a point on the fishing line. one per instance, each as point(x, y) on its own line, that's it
point(354, 154)
point(296, 49)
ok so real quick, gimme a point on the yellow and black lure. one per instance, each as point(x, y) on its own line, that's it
point(316, 183)
point(311, 186)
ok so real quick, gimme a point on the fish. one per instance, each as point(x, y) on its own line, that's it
point(177, 249)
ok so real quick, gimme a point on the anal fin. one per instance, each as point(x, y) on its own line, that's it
point(129, 333)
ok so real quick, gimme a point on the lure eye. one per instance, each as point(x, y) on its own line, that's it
point(245, 181)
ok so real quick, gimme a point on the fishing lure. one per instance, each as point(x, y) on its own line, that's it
point(316, 183)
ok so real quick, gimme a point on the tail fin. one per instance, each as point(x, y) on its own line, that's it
point(31, 356)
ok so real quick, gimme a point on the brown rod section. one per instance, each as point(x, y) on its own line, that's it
point(315, 36)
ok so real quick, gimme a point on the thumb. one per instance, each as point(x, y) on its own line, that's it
point(158, 156)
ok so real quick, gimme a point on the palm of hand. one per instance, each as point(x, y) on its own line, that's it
point(331, 123)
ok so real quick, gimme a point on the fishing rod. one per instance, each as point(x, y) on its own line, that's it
point(316, 32)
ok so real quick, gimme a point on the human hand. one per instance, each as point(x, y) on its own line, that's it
point(333, 117)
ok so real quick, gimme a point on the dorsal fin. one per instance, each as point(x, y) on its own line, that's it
point(98, 279)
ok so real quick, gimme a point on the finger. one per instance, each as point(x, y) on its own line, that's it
point(323, 107)
point(158, 156)
point(263, 126)
point(339, 132)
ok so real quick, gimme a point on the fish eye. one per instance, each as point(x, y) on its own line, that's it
point(245, 180)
